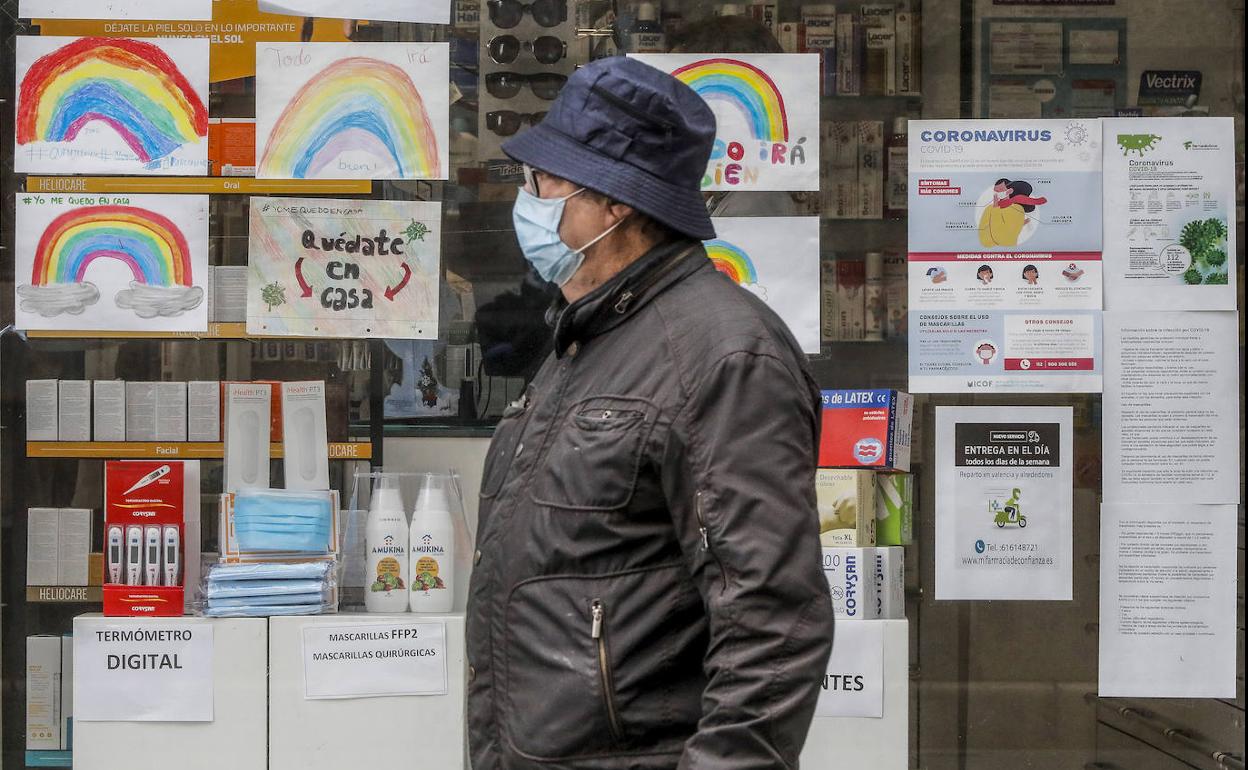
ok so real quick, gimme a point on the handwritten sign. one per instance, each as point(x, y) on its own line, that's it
point(854, 683)
point(344, 268)
point(132, 671)
point(370, 660)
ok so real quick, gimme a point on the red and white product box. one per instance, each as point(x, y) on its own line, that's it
point(866, 429)
point(144, 538)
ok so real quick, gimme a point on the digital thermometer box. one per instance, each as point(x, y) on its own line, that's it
point(144, 494)
point(866, 429)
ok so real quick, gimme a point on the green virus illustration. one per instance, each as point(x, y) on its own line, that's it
point(416, 231)
point(1205, 240)
point(1137, 143)
point(273, 294)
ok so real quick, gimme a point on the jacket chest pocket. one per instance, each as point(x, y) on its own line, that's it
point(594, 458)
point(504, 444)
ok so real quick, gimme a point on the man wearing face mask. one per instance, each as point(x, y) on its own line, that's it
point(647, 590)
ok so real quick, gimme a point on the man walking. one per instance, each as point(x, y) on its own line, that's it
point(647, 591)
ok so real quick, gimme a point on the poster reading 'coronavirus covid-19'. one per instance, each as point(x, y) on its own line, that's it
point(1004, 268)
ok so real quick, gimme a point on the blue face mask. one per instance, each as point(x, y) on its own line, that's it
point(537, 229)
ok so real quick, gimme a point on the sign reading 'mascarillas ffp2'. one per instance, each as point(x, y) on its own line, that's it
point(140, 671)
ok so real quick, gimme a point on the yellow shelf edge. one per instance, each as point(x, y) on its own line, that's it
point(185, 450)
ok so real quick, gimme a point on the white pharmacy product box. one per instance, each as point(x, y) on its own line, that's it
point(349, 731)
point(889, 566)
point(851, 580)
point(74, 410)
point(41, 410)
point(43, 527)
point(305, 448)
point(110, 410)
point(43, 693)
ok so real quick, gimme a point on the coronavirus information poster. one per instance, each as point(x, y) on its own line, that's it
point(1004, 502)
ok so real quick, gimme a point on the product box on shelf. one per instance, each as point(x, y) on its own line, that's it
point(41, 410)
point(866, 429)
point(109, 414)
point(850, 573)
point(889, 582)
point(144, 543)
point(43, 693)
point(141, 411)
point(305, 447)
point(203, 411)
point(171, 411)
point(73, 546)
point(247, 412)
point(846, 503)
point(42, 527)
point(894, 509)
point(73, 410)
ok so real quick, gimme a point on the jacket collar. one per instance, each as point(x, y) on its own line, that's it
point(617, 300)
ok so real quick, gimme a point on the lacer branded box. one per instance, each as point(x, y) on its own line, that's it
point(866, 429)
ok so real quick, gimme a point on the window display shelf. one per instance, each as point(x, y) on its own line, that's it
point(216, 331)
point(202, 185)
point(64, 594)
point(49, 759)
point(156, 450)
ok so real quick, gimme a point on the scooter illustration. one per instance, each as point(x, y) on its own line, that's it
point(1009, 513)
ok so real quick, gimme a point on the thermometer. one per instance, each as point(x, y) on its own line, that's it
point(151, 556)
point(171, 555)
point(159, 473)
point(134, 555)
point(116, 553)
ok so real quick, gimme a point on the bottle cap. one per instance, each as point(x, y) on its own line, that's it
point(433, 496)
point(899, 124)
point(647, 12)
point(386, 494)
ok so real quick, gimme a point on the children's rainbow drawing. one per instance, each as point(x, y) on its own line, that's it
point(149, 244)
point(745, 87)
point(130, 85)
point(732, 261)
point(356, 103)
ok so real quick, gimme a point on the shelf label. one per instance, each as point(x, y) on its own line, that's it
point(370, 660)
point(854, 683)
point(139, 670)
point(63, 594)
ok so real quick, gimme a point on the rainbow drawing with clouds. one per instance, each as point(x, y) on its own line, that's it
point(746, 88)
point(132, 86)
point(354, 104)
point(732, 261)
point(149, 244)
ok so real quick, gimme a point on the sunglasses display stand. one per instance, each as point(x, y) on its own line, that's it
point(526, 48)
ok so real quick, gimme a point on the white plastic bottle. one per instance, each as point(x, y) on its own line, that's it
point(385, 538)
point(431, 549)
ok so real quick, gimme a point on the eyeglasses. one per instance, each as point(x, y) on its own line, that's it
point(508, 122)
point(505, 85)
point(506, 14)
point(547, 49)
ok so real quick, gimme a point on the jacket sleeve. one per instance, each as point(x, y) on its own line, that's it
point(739, 479)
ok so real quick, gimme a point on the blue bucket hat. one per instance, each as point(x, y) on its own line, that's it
point(633, 133)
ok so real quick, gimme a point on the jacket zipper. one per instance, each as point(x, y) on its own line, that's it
point(626, 299)
point(598, 632)
point(706, 541)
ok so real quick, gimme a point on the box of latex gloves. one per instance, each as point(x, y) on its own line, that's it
point(866, 583)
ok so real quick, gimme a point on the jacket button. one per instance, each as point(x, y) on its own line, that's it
point(472, 673)
point(519, 449)
point(476, 558)
point(573, 349)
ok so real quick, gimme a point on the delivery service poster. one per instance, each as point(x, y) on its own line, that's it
point(1004, 502)
point(777, 260)
point(319, 267)
point(1169, 213)
point(1004, 258)
point(766, 113)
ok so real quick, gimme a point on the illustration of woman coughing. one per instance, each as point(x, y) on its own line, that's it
point(1004, 218)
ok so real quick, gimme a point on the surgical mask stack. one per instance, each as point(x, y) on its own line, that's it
point(275, 520)
point(267, 589)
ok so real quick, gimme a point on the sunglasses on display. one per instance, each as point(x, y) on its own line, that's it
point(506, 14)
point(547, 49)
point(508, 122)
point(505, 85)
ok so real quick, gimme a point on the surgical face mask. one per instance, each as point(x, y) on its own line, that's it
point(275, 520)
point(537, 229)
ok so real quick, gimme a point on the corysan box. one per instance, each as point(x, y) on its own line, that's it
point(851, 580)
point(43, 693)
point(73, 410)
point(109, 416)
point(41, 410)
point(846, 503)
point(889, 579)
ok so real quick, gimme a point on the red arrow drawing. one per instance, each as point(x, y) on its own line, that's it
point(307, 289)
point(407, 276)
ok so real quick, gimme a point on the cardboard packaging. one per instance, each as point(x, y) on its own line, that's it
point(305, 447)
point(870, 169)
point(73, 410)
point(866, 429)
point(846, 502)
point(896, 299)
point(851, 580)
point(203, 411)
point(67, 692)
point(141, 411)
point(851, 299)
point(41, 410)
point(819, 27)
point(73, 546)
point(894, 509)
point(247, 408)
point(139, 494)
point(889, 580)
point(43, 693)
point(171, 411)
point(42, 527)
point(109, 415)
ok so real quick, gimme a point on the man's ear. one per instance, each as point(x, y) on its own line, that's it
point(620, 211)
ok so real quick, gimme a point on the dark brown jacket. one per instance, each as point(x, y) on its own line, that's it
point(648, 590)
